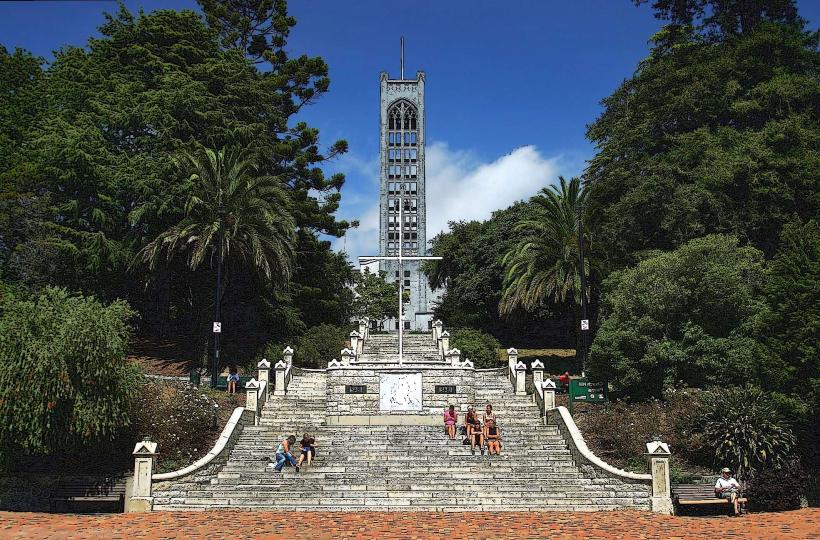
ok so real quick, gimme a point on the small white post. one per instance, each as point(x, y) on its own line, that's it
point(444, 342)
point(279, 372)
point(287, 356)
point(549, 394)
point(264, 375)
point(252, 399)
point(145, 453)
point(659, 455)
point(437, 329)
point(537, 374)
point(347, 356)
point(354, 342)
point(453, 356)
point(512, 360)
point(520, 379)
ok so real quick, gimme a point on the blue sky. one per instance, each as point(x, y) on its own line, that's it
point(511, 85)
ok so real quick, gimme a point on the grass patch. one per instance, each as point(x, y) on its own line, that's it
point(556, 361)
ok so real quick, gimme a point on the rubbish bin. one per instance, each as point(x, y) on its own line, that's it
point(194, 377)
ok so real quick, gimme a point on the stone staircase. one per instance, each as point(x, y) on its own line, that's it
point(402, 467)
point(384, 349)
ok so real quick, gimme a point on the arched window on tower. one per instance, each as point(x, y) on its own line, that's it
point(402, 116)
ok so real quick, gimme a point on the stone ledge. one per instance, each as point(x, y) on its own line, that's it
point(384, 420)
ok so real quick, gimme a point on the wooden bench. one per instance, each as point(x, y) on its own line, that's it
point(222, 383)
point(89, 496)
point(699, 494)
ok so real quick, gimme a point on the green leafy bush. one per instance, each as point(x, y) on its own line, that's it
point(481, 348)
point(746, 431)
point(64, 381)
point(180, 418)
point(691, 317)
point(320, 344)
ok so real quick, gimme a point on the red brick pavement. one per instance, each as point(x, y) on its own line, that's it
point(246, 524)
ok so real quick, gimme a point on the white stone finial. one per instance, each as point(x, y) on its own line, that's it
point(438, 323)
point(445, 334)
point(287, 350)
point(512, 351)
point(347, 352)
point(333, 364)
point(354, 334)
point(658, 448)
point(548, 384)
point(537, 364)
point(252, 384)
point(263, 364)
point(145, 447)
point(453, 352)
point(281, 364)
point(520, 366)
point(468, 364)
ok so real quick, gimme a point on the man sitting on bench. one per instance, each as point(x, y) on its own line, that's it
point(728, 488)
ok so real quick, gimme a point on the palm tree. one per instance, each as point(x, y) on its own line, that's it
point(543, 266)
point(259, 230)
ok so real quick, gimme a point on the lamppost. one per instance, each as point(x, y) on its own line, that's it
point(584, 321)
point(221, 211)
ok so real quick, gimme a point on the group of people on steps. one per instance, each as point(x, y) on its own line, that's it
point(476, 435)
point(284, 452)
point(488, 436)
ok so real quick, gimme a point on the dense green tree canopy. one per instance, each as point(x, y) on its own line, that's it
point(709, 137)
point(472, 271)
point(64, 380)
point(722, 18)
point(793, 293)
point(689, 317)
point(88, 175)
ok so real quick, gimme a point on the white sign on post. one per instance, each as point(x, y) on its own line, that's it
point(217, 327)
point(584, 324)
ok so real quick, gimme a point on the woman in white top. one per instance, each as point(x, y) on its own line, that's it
point(488, 414)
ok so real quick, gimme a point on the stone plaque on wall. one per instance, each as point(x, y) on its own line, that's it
point(400, 392)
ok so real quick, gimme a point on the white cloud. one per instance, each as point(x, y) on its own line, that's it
point(459, 187)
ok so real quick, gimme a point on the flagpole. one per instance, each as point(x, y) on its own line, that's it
point(399, 281)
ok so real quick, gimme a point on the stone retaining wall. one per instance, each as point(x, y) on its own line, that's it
point(339, 403)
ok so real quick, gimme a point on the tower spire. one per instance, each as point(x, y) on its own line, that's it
point(402, 58)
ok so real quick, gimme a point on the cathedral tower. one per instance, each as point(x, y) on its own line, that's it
point(401, 150)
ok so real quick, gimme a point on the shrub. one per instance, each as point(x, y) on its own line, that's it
point(181, 419)
point(481, 348)
point(775, 489)
point(64, 381)
point(689, 317)
point(746, 431)
point(320, 344)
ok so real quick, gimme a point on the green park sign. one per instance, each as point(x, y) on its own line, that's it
point(583, 390)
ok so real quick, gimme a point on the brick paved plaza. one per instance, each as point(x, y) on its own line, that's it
point(246, 524)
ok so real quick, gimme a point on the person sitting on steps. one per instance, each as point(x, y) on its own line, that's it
point(728, 488)
point(489, 414)
point(308, 445)
point(450, 420)
point(283, 453)
point(474, 433)
point(492, 434)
